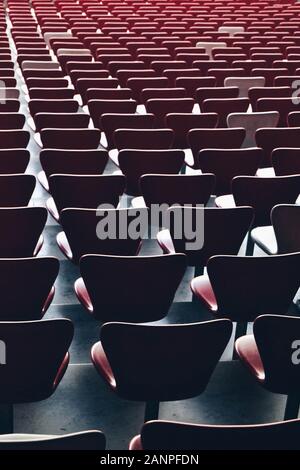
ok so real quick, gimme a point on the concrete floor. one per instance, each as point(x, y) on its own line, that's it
point(83, 401)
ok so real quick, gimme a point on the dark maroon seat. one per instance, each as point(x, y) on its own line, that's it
point(96, 289)
point(44, 348)
point(86, 441)
point(226, 138)
point(226, 164)
point(77, 139)
point(169, 435)
point(111, 122)
point(135, 163)
point(83, 191)
point(27, 287)
point(147, 139)
point(208, 223)
point(273, 138)
point(176, 189)
point(181, 123)
point(286, 161)
point(271, 356)
point(162, 351)
point(84, 233)
point(27, 240)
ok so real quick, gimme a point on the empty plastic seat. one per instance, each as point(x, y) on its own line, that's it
point(257, 93)
point(270, 74)
point(28, 241)
point(147, 139)
point(80, 162)
point(96, 288)
point(251, 122)
point(244, 83)
point(111, 122)
point(270, 139)
point(135, 163)
point(214, 138)
point(84, 191)
point(181, 123)
point(82, 233)
point(206, 93)
point(86, 440)
point(261, 193)
point(168, 435)
point(176, 189)
point(293, 119)
point(283, 235)
point(191, 84)
point(224, 106)
point(61, 120)
point(161, 107)
point(283, 105)
point(229, 279)
point(138, 84)
point(13, 161)
point(124, 345)
point(268, 355)
point(44, 346)
point(16, 190)
point(14, 139)
point(11, 120)
point(226, 164)
point(99, 107)
point(205, 240)
point(286, 161)
point(109, 94)
point(162, 93)
point(78, 139)
point(27, 287)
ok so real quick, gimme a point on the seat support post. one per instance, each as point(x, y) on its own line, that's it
point(151, 410)
point(292, 406)
point(6, 419)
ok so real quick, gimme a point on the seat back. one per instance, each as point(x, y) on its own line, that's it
point(202, 138)
point(44, 344)
point(196, 231)
point(277, 339)
point(251, 122)
point(286, 161)
point(263, 193)
point(111, 122)
point(86, 440)
point(226, 164)
point(86, 233)
point(286, 222)
point(78, 139)
point(159, 353)
point(167, 435)
point(30, 222)
point(25, 286)
point(147, 139)
point(163, 273)
point(274, 138)
point(248, 286)
point(86, 191)
point(135, 163)
point(177, 189)
point(182, 123)
point(80, 162)
point(16, 190)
